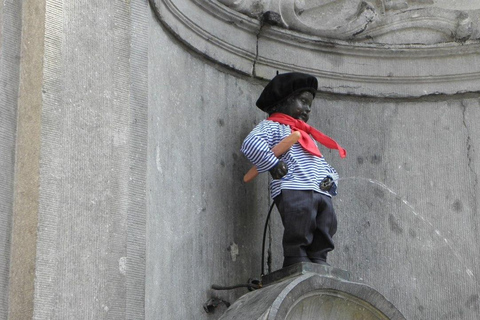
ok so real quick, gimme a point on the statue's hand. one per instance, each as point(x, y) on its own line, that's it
point(279, 170)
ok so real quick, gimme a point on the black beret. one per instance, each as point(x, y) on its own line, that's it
point(285, 85)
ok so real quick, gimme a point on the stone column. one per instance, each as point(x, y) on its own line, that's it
point(77, 181)
point(10, 31)
point(26, 190)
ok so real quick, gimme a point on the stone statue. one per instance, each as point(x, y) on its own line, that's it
point(303, 182)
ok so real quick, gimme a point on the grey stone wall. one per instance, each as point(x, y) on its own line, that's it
point(10, 32)
point(408, 213)
point(204, 225)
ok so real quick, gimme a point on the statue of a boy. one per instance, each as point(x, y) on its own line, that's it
point(303, 182)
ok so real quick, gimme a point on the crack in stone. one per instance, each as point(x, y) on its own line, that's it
point(268, 18)
point(471, 167)
point(254, 72)
point(361, 30)
point(469, 144)
point(262, 23)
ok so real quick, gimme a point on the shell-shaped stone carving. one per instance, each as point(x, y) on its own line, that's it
point(376, 21)
point(381, 48)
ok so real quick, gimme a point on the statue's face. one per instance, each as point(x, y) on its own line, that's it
point(298, 106)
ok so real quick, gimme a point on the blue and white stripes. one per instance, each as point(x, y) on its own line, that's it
point(305, 171)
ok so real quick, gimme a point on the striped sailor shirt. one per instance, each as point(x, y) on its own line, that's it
point(305, 171)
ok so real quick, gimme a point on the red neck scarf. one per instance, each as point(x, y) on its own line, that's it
point(305, 130)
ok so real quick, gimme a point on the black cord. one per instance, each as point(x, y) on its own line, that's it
point(269, 251)
point(250, 286)
point(264, 238)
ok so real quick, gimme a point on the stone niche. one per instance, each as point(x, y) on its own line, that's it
point(394, 49)
point(378, 48)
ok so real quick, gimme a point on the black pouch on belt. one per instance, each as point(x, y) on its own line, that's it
point(329, 185)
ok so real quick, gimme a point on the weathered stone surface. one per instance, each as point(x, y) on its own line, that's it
point(92, 207)
point(27, 156)
point(408, 201)
point(10, 35)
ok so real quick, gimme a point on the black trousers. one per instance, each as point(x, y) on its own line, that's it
point(310, 222)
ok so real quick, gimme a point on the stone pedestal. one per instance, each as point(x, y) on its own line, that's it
point(308, 291)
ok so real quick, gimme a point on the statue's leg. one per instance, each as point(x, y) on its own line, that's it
point(298, 214)
point(326, 227)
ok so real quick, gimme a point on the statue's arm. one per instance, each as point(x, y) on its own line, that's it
point(257, 150)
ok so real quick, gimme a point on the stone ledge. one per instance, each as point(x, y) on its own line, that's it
point(303, 268)
point(305, 294)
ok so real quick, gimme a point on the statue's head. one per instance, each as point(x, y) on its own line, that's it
point(289, 93)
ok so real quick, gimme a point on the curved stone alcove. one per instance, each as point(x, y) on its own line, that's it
point(445, 61)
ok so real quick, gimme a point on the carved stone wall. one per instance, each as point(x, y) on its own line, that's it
point(353, 47)
point(378, 21)
point(143, 107)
